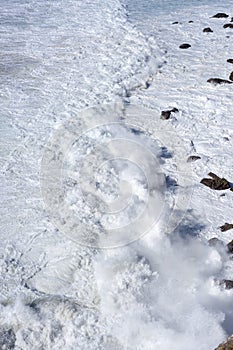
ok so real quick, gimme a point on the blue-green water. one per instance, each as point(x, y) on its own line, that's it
point(147, 8)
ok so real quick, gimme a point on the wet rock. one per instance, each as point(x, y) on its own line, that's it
point(207, 30)
point(220, 15)
point(175, 110)
point(217, 81)
point(230, 60)
point(230, 247)
point(7, 339)
point(147, 85)
point(226, 227)
point(193, 158)
point(216, 183)
point(227, 284)
point(228, 25)
point(184, 46)
point(227, 345)
point(175, 23)
point(167, 114)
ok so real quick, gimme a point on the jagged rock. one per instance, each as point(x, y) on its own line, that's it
point(193, 158)
point(7, 339)
point(230, 60)
point(216, 183)
point(220, 15)
point(227, 284)
point(207, 30)
point(167, 114)
point(217, 81)
point(228, 25)
point(227, 345)
point(230, 247)
point(184, 46)
point(226, 227)
point(231, 76)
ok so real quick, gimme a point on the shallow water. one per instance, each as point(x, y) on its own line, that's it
point(150, 8)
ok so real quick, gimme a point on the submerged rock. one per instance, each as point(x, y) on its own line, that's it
point(216, 183)
point(184, 46)
point(207, 30)
point(214, 242)
point(220, 15)
point(217, 81)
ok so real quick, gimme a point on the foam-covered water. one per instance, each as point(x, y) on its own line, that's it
point(57, 58)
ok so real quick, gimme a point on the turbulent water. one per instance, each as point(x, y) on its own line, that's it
point(57, 59)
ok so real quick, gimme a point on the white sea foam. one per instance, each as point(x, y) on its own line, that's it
point(160, 292)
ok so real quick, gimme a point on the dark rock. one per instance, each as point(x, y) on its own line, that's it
point(7, 339)
point(216, 183)
point(184, 46)
point(227, 284)
point(230, 60)
point(228, 25)
point(230, 247)
point(226, 227)
point(190, 21)
point(193, 158)
point(227, 345)
point(231, 76)
point(175, 23)
point(207, 30)
point(167, 114)
point(217, 81)
point(220, 15)
point(231, 19)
